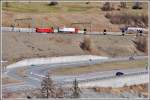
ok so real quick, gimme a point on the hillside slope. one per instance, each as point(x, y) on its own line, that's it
point(17, 46)
point(64, 14)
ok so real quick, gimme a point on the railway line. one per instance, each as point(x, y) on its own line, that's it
point(33, 30)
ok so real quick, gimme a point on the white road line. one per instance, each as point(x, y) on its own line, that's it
point(37, 74)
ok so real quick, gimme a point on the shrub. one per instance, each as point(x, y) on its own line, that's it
point(123, 5)
point(53, 3)
point(137, 5)
point(87, 44)
point(142, 44)
point(107, 7)
point(87, 2)
point(108, 15)
point(128, 19)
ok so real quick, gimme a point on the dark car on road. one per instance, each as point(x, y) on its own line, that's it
point(119, 73)
point(131, 58)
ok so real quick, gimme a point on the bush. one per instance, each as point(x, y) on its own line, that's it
point(123, 5)
point(128, 19)
point(137, 5)
point(87, 2)
point(108, 15)
point(53, 3)
point(142, 44)
point(86, 45)
point(107, 7)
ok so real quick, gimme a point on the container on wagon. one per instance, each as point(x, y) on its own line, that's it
point(66, 29)
point(81, 32)
point(56, 31)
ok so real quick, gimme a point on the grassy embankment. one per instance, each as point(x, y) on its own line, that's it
point(102, 67)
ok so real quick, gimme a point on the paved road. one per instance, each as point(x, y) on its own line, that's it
point(35, 73)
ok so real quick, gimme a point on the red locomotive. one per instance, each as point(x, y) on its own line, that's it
point(45, 30)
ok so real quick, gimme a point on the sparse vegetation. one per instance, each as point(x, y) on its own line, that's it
point(45, 8)
point(6, 4)
point(142, 89)
point(141, 43)
point(64, 14)
point(21, 72)
point(123, 4)
point(87, 44)
point(128, 19)
point(49, 45)
point(107, 7)
point(53, 3)
point(137, 5)
point(87, 2)
point(101, 67)
point(9, 80)
point(31, 7)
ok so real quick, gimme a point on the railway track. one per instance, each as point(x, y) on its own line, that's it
point(33, 30)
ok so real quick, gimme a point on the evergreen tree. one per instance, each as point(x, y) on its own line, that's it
point(76, 89)
point(47, 87)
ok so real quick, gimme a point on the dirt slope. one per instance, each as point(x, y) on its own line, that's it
point(17, 46)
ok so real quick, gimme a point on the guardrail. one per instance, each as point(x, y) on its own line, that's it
point(106, 78)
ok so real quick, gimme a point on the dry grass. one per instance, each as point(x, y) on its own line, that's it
point(9, 80)
point(128, 19)
point(107, 7)
point(63, 14)
point(87, 44)
point(101, 67)
point(142, 89)
point(142, 43)
point(50, 45)
point(13, 95)
point(21, 72)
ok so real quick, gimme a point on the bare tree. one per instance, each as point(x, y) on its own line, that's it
point(53, 3)
point(60, 92)
point(137, 5)
point(47, 87)
point(107, 7)
point(76, 89)
point(6, 4)
point(123, 4)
